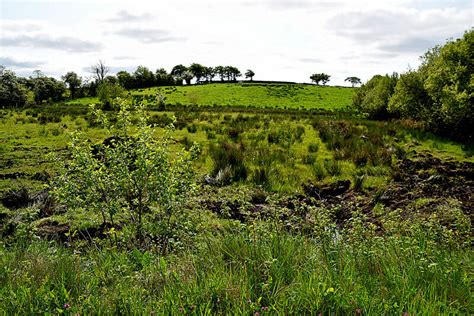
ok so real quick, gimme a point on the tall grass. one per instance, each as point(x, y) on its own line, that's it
point(244, 270)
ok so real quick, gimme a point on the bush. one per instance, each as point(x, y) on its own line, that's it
point(410, 99)
point(131, 173)
point(108, 92)
point(372, 98)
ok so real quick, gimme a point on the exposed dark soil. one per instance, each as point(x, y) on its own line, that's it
point(22, 198)
point(429, 177)
point(422, 176)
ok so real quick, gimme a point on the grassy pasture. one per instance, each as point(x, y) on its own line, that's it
point(269, 96)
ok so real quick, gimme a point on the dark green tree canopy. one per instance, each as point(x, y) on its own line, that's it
point(125, 79)
point(178, 70)
point(73, 82)
point(353, 80)
point(47, 89)
point(12, 92)
point(372, 98)
point(320, 77)
point(144, 77)
point(198, 70)
point(249, 74)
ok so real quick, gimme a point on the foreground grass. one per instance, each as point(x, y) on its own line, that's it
point(242, 271)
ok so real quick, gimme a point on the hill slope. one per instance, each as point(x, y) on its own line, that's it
point(278, 96)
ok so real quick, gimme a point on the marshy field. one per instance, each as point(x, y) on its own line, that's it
point(299, 210)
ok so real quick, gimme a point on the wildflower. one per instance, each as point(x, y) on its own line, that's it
point(256, 314)
point(181, 309)
point(264, 308)
point(66, 306)
point(358, 311)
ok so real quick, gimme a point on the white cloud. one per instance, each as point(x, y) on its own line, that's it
point(10, 62)
point(278, 39)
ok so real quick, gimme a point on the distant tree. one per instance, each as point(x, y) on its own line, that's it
point(163, 78)
point(249, 74)
point(221, 71)
point(232, 73)
point(210, 73)
point(47, 89)
point(73, 82)
point(320, 77)
point(12, 92)
point(188, 76)
point(228, 72)
point(161, 71)
point(89, 88)
point(144, 77)
point(178, 72)
point(125, 79)
point(198, 71)
point(353, 80)
point(236, 73)
point(99, 71)
point(37, 74)
point(111, 79)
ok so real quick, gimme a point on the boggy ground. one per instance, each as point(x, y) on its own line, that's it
point(368, 221)
point(330, 163)
point(420, 185)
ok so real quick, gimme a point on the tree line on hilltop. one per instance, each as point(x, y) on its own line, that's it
point(18, 91)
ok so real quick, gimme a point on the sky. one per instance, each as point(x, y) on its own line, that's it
point(285, 40)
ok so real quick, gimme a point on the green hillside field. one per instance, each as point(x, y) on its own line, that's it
point(271, 96)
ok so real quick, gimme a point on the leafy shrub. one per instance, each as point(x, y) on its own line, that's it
point(160, 120)
point(309, 159)
point(130, 172)
point(372, 98)
point(108, 92)
point(410, 98)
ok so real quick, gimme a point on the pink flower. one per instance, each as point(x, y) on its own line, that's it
point(264, 308)
point(66, 306)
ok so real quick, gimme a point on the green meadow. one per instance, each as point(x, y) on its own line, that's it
point(247, 95)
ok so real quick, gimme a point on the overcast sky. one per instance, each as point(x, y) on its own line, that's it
point(278, 39)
